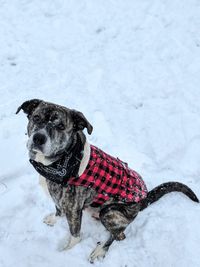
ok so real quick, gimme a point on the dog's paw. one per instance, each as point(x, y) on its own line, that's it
point(50, 219)
point(68, 244)
point(98, 253)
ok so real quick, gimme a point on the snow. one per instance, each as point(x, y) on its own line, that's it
point(132, 67)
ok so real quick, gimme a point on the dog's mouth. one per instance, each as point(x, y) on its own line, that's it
point(36, 144)
point(34, 148)
point(37, 150)
point(40, 143)
point(32, 154)
point(44, 150)
point(33, 151)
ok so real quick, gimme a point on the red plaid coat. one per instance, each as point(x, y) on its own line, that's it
point(110, 178)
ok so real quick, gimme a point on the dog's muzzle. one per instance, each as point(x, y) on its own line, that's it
point(39, 139)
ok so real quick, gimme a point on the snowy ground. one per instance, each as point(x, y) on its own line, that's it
point(132, 67)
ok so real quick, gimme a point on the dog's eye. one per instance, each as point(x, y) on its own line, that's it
point(60, 126)
point(36, 119)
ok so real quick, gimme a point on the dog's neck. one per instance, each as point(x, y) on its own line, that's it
point(85, 159)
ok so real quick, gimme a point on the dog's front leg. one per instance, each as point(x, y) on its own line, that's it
point(51, 218)
point(74, 218)
point(73, 203)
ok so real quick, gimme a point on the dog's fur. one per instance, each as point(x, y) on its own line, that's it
point(50, 129)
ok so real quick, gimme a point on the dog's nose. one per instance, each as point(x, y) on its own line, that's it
point(39, 139)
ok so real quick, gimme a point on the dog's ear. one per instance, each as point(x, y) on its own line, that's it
point(29, 106)
point(80, 121)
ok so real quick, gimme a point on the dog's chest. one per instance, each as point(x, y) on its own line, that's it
point(62, 195)
point(58, 194)
point(69, 197)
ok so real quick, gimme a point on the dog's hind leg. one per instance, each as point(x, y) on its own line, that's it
point(101, 249)
point(115, 217)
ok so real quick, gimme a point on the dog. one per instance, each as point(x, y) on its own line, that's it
point(79, 175)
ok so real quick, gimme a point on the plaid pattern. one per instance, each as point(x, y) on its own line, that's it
point(111, 178)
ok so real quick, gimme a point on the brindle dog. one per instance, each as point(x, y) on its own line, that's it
point(51, 130)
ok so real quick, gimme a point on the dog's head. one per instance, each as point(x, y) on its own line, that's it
point(51, 126)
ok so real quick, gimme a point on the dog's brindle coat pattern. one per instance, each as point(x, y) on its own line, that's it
point(51, 129)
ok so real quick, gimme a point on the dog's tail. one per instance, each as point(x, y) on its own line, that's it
point(165, 188)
